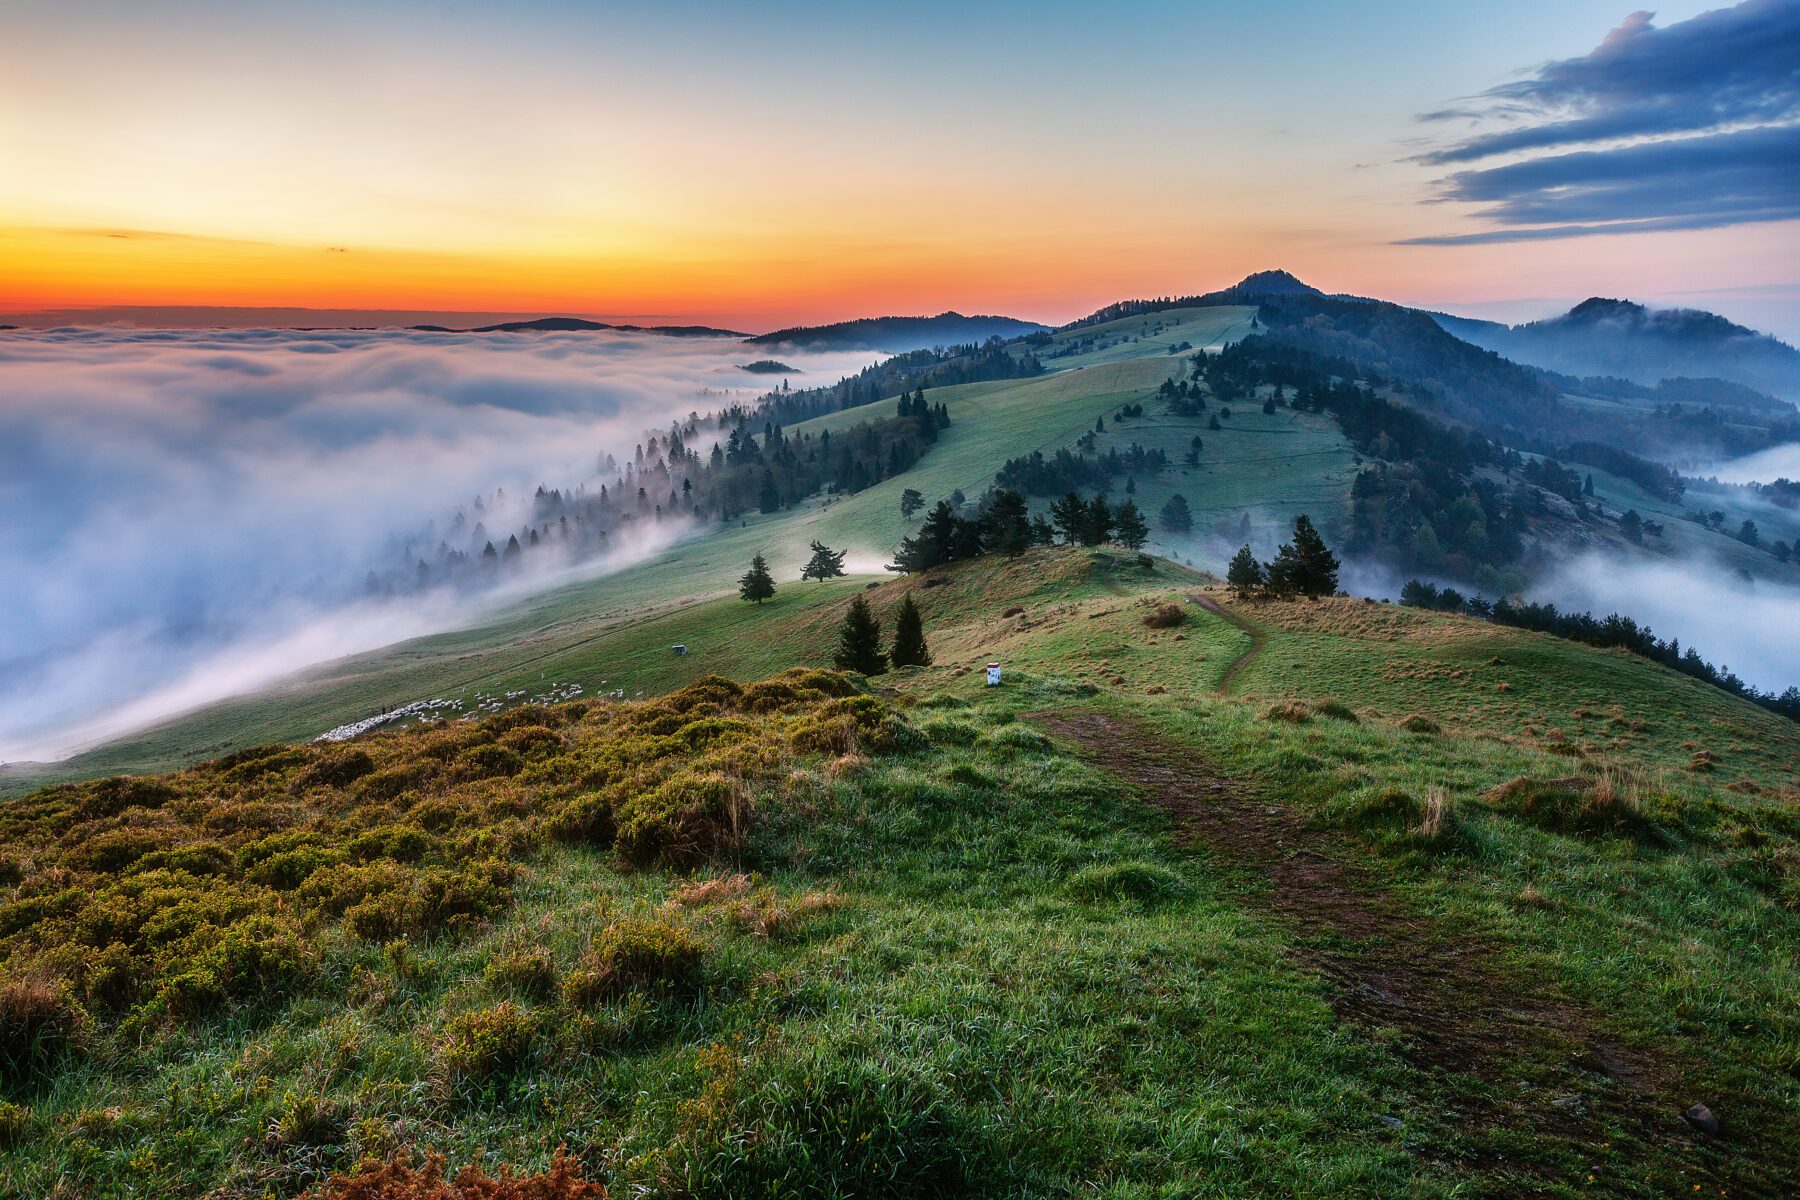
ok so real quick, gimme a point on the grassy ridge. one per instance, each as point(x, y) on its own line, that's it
point(968, 961)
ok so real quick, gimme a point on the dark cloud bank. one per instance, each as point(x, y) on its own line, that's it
point(190, 514)
point(1692, 126)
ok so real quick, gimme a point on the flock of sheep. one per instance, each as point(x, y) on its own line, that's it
point(485, 704)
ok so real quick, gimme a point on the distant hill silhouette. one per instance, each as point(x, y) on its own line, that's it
point(580, 324)
point(898, 335)
point(1251, 289)
point(1630, 341)
point(768, 366)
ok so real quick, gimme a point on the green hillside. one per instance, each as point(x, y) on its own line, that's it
point(571, 634)
point(1299, 898)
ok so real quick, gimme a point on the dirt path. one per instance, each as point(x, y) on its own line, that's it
point(1257, 638)
point(1510, 1058)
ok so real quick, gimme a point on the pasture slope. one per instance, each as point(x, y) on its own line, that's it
point(1417, 907)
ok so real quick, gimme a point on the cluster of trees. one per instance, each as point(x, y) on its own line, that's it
point(667, 478)
point(1002, 524)
point(859, 640)
point(901, 373)
point(1036, 475)
point(1612, 630)
point(1304, 566)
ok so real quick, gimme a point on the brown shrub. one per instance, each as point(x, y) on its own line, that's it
point(398, 1179)
point(1291, 711)
point(1165, 616)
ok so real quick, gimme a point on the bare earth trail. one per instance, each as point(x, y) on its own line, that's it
point(1506, 1059)
point(1257, 638)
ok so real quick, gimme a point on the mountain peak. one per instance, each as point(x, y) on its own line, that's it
point(1600, 308)
point(1273, 283)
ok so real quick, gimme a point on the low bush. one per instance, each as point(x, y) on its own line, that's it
point(485, 1042)
point(1165, 616)
point(635, 954)
point(399, 1179)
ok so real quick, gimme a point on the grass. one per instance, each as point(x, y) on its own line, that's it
point(934, 953)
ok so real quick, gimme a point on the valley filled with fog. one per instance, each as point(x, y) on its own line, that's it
point(195, 513)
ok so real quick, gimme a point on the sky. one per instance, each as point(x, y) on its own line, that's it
point(760, 165)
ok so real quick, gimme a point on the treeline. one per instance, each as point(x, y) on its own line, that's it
point(1002, 524)
point(1065, 471)
point(891, 377)
point(1612, 630)
point(668, 478)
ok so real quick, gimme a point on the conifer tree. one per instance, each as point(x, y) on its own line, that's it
point(1130, 529)
point(757, 584)
point(1304, 566)
point(1007, 524)
point(909, 649)
point(859, 641)
point(1245, 574)
point(1175, 516)
point(824, 564)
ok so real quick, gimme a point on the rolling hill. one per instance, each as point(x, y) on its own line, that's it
point(1212, 896)
point(1630, 341)
point(897, 335)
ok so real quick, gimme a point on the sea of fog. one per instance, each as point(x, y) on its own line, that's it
point(190, 514)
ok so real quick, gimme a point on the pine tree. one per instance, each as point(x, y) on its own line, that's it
point(1098, 525)
point(824, 564)
point(909, 649)
point(1006, 526)
point(910, 502)
point(1245, 574)
point(1304, 566)
point(1130, 529)
point(1175, 516)
point(769, 498)
point(757, 584)
point(1069, 515)
point(859, 641)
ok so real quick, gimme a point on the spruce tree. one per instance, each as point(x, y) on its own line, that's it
point(1304, 566)
point(859, 641)
point(1175, 516)
point(1245, 574)
point(909, 649)
point(1098, 526)
point(824, 564)
point(1070, 517)
point(1130, 529)
point(757, 584)
point(769, 497)
point(1006, 526)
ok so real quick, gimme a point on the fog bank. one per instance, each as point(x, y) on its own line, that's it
point(191, 513)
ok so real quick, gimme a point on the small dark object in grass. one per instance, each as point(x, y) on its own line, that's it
point(1701, 1118)
point(869, 587)
point(936, 581)
point(1014, 611)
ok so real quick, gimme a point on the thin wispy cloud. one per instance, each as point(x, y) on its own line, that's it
point(1692, 126)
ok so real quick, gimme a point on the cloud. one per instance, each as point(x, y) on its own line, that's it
point(1693, 126)
point(1760, 642)
point(192, 512)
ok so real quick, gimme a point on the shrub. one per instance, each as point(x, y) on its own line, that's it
point(1336, 710)
point(335, 770)
point(1016, 739)
point(402, 843)
point(1291, 711)
point(398, 1179)
point(1165, 616)
point(15, 1120)
point(488, 761)
point(310, 1119)
point(635, 953)
point(1142, 882)
point(1390, 806)
point(949, 731)
point(40, 1020)
point(1416, 723)
point(528, 971)
point(485, 1042)
point(685, 819)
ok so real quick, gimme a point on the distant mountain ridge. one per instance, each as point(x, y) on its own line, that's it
point(582, 324)
point(898, 335)
point(1627, 340)
point(1251, 289)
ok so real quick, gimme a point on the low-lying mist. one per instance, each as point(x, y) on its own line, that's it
point(190, 514)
